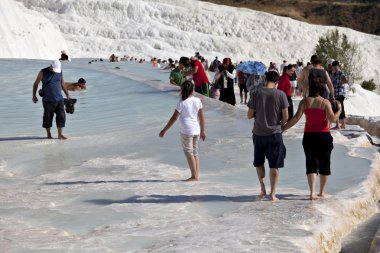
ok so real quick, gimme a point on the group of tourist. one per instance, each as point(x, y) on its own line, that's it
point(271, 105)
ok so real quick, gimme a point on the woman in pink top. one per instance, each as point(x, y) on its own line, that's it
point(317, 140)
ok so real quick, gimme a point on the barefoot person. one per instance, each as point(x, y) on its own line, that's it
point(80, 85)
point(317, 140)
point(269, 106)
point(52, 100)
point(189, 109)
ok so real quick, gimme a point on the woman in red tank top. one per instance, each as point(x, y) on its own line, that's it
point(317, 140)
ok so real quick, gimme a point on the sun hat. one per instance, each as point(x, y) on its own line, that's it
point(330, 61)
point(56, 65)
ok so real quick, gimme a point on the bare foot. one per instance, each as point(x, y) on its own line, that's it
point(262, 195)
point(62, 137)
point(273, 198)
point(322, 195)
point(49, 137)
point(313, 197)
point(335, 128)
point(191, 179)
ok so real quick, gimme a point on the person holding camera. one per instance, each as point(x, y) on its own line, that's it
point(52, 99)
point(317, 141)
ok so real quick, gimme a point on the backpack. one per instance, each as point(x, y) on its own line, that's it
point(317, 73)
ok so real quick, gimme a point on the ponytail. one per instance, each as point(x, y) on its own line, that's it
point(187, 89)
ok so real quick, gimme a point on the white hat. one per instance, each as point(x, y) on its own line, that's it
point(56, 65)
point(330, 61)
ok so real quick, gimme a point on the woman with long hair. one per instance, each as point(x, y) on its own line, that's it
point(189, 110)
point(317, 140)
point(225, 78)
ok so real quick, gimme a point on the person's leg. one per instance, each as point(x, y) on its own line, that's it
point(342, 116)
point(311, 148)
point(187, 145)
point(203, 89)
point(325, 161)
point(259, 147)
point(192, 161)
point(47, 120)
point(60, 135)
point(48, 133)
point(290, 108)
point(311, 180)
point(60, 117)
point(323, 182)
point(241, 93)
point(273, 183)
point(261, 175)
point(276, 153)
point(196, 174)
point(196, 156)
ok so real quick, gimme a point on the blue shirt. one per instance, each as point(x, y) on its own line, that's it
point(51, 84)
point(336, 79)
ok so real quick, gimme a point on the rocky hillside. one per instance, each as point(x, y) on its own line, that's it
point(360, 15)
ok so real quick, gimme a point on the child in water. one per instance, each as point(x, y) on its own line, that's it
point(188, 110)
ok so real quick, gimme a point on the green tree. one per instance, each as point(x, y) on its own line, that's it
point(336, 45)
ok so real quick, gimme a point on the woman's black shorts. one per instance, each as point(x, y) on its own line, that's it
point(318, 147)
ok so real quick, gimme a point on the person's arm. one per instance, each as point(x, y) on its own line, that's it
point(202, 124)
point(231, 75)
point(301, 81)
point(35, 86)
point(64, 88)
point(170, 123)
point(217, 75)
point(250, 113)
point(329, 83)
point(193, 71)
point(331, 116)
point(296, 117)
point(250, 83)
point(344, 80)
point(285, 116)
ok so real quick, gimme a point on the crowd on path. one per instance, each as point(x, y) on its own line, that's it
point(270, 104)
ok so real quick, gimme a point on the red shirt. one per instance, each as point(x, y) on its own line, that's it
point(285, 85)
point(316, 121)
point(200, 77)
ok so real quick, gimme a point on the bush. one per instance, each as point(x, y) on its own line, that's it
point(369, 85)
point(336, 45)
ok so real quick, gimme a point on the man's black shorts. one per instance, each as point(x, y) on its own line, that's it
point(318, 147)
point(49, 109)
point(272, 147)
point(243, 87)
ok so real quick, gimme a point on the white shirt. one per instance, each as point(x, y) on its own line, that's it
point(188, 118)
